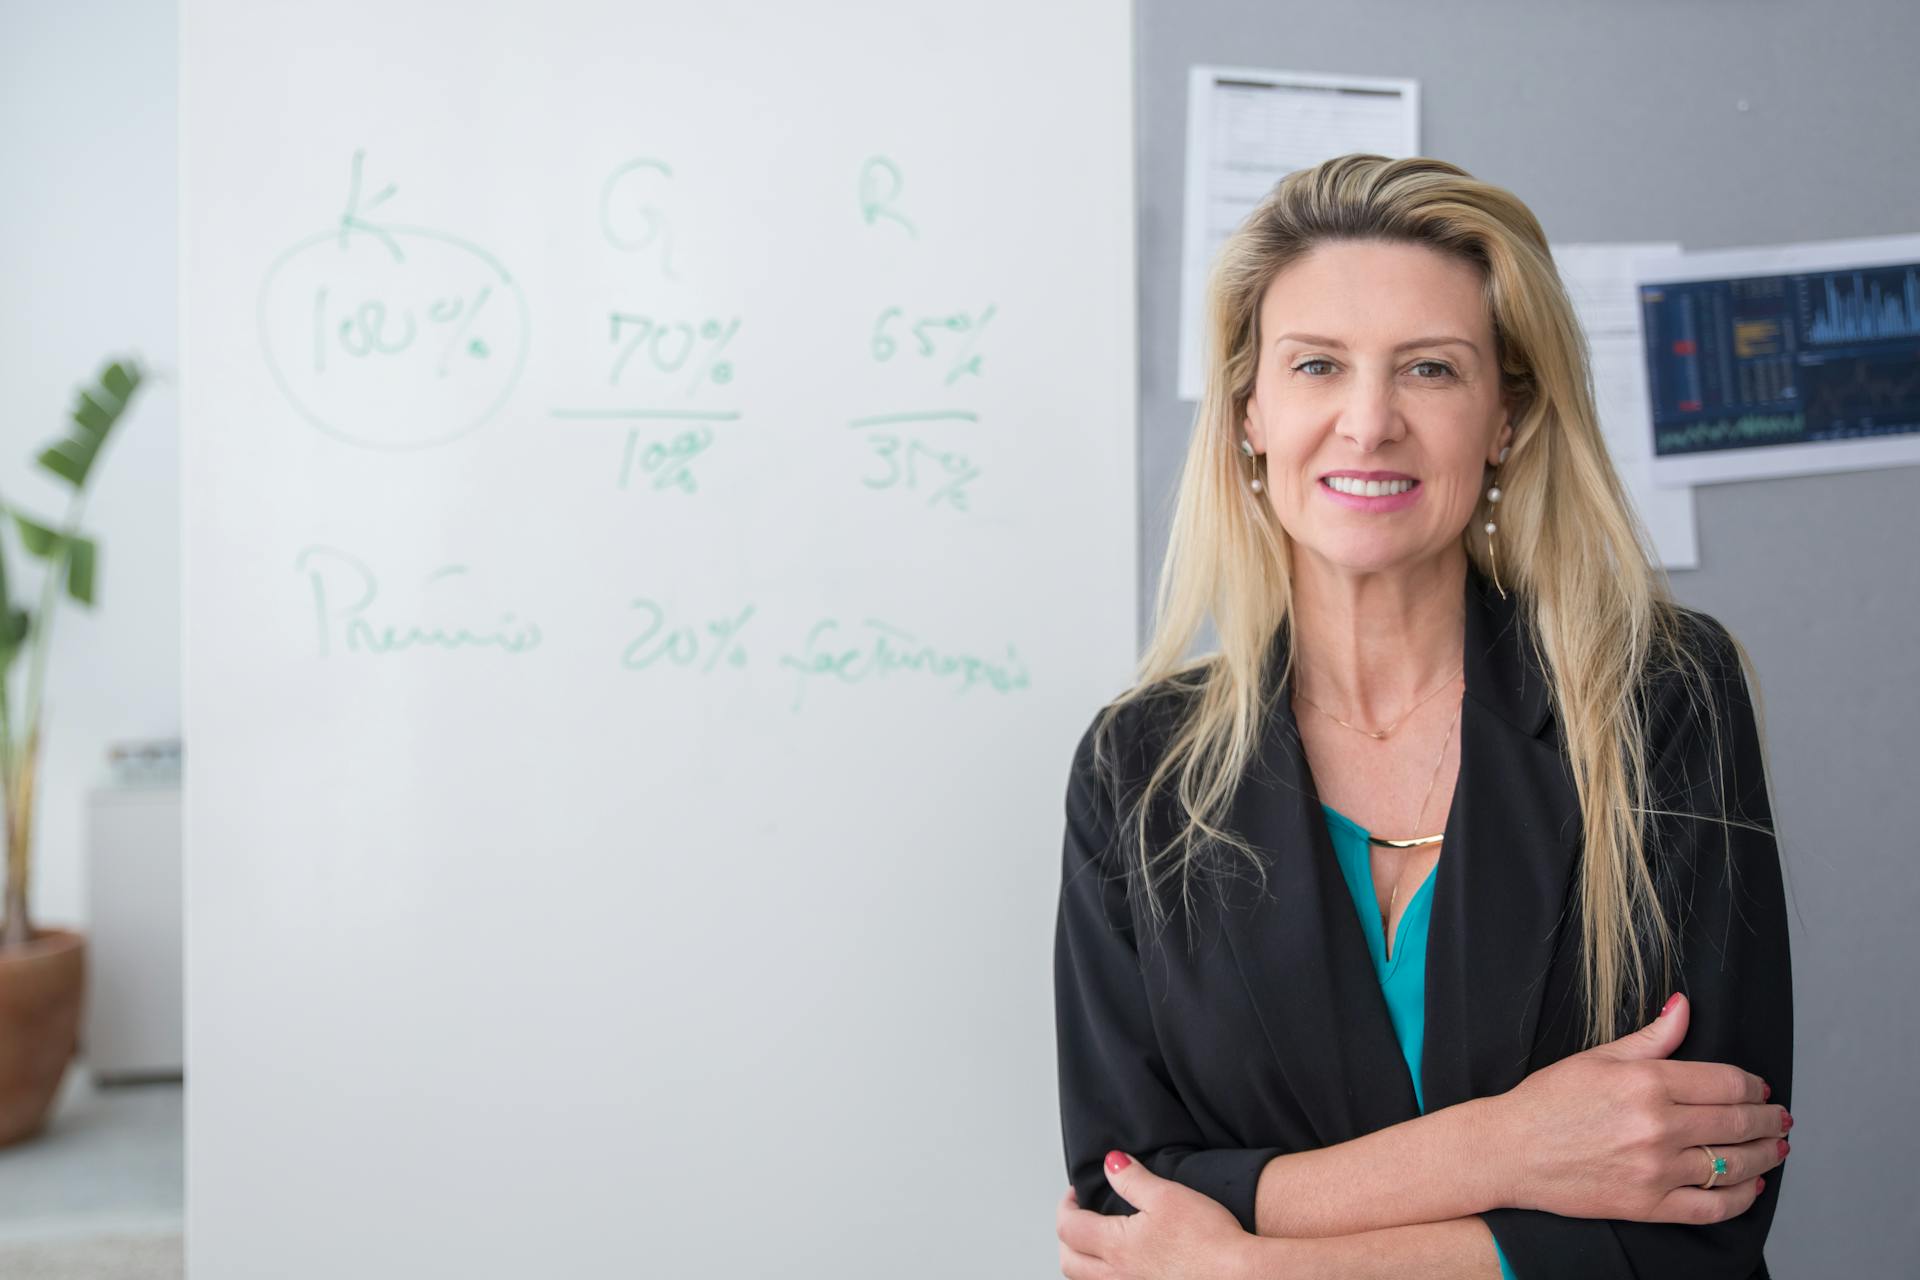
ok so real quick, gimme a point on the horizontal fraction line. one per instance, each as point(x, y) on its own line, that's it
point(704, 415)
point(933, 415)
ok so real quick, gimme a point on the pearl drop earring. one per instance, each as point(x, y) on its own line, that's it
point(1493, 496)
point(1246, 447)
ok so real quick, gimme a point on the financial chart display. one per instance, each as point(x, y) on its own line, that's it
point(1762, 361)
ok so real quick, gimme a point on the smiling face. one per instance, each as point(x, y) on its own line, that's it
point(1376, 363)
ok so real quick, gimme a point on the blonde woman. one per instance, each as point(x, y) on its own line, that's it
point(1434, 924)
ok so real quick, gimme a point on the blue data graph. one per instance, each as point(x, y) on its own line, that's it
point(1754, 361)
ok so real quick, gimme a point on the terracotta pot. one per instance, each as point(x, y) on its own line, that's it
point(41, 988)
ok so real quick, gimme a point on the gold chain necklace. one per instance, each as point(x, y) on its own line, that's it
point(1386, 916)
point(1372, 733)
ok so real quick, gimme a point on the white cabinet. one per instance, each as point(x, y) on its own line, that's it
point(133, 1024)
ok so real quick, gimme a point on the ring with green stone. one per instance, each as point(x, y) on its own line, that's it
point(1719, 1167)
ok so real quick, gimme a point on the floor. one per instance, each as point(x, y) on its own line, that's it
point(100, 1194)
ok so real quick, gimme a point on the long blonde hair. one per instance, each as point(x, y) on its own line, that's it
point(1590, 594)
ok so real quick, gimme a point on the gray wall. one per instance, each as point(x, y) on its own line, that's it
point(1623, 121)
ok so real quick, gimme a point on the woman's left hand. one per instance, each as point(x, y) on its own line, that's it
point(1177, 1233)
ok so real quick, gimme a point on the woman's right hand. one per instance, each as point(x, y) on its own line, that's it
point(1615, 1131)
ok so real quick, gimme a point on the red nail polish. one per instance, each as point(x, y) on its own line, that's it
point(1766, 1091)
point(1786, 1121)
point(1667, 1008)
point(1783, 1148)
point(1117, 1160)
point(1760, 1186)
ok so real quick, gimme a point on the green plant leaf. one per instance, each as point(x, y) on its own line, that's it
point(14, 629)
point(119, 382)
point(5, 597)
point(62, 460)
point(83, 553)
point(83, 560)
point(95, 418)
point(96, 410)
point(38, 539)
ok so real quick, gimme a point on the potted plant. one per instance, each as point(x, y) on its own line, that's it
point(43, 971)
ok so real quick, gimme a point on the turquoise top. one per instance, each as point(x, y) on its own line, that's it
point(1403, 975)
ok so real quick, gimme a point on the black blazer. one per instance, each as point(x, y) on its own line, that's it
point(1264, 1030)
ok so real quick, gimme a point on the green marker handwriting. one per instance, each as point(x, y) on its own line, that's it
point(880, 184)
point(684, 646)
point(667, 462)
point(884, 342)
point(628, 220)
point(389, 336)
point(883, 651)
point(344, 592)
point(363, 331)
point(667, 348)
point(901, 468)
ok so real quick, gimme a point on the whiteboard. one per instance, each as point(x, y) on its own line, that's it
point(660, 509)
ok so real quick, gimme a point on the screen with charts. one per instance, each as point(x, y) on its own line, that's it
point(1759, 361)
